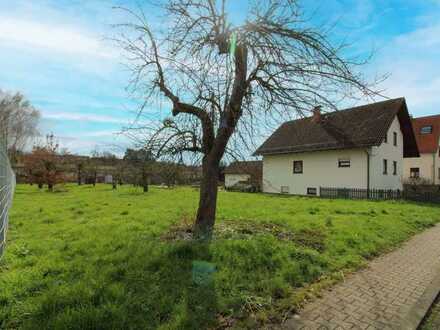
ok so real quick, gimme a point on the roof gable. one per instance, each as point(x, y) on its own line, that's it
point(362, 126)
point(427, 143)
point(245, 167)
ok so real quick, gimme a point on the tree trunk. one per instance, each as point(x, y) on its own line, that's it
point(145, 180)
point(50, 187)
point(208, 200)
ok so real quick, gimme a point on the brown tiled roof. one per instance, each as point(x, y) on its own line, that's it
point(245, 167)
point(427, 143)
point(357, 127)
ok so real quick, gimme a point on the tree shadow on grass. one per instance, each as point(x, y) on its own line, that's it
point(175, 289)
point(137, 285)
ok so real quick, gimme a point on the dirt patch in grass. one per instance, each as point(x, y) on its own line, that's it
point(312, 238)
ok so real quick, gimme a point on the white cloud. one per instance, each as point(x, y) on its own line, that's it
point(84, 145)
point(104, 133)
point(83, 117)
point(427, 36)
point(412, 59)
point(54, 37)
point(422, 95)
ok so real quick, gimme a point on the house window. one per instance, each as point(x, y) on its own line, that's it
point(311, 191)
point(395, 138)
point(386, 138)
point(284, 189)
point(426, 129)
point(394, 168)
point(414, 172)
point(297, 166)
point(344, 163)
point(385, 166)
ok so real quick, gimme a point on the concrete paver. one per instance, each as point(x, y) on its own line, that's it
point(390, 293)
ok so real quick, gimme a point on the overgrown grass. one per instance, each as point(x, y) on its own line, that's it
point(93, 258)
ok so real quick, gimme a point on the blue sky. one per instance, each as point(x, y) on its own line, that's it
point(58, 54)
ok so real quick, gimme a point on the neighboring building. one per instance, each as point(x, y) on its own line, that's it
point(361, 147)
point(426, 168)
point(244, 171)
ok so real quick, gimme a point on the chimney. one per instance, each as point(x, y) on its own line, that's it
point(316, 114)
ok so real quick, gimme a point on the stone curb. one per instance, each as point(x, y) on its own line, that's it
point(408, 276)
point(414, 318)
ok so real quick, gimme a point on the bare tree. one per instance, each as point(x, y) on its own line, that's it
point(19, 119)
point(79, 168)
point(44, 165)
point(140, 162)
point(226, 82)
point(169, 172)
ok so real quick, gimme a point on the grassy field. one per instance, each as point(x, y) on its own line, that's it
point(93, 258)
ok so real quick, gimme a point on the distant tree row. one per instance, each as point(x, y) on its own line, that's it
point(44, 163)
point(48, 165)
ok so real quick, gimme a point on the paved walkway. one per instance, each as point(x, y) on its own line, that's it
point(433, 320)
point(394, 292)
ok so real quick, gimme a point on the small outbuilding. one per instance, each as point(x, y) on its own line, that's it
point(250, 172)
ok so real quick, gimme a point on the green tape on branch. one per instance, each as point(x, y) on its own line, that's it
point(232, 44)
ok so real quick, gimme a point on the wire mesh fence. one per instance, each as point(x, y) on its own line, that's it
point(7, 187)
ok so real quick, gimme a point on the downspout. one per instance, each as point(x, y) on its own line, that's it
point(368, 173)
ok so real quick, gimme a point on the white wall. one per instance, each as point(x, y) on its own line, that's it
point(428, 164)
point(391, 153)
point(425, 163)
point(320, 169)
point(231, 179)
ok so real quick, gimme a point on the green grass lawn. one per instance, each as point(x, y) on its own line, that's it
point(93, 258)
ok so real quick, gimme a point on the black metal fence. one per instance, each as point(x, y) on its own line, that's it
point(379, 194)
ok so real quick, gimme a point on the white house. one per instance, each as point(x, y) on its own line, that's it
point(426, 168)
point(361, 148)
